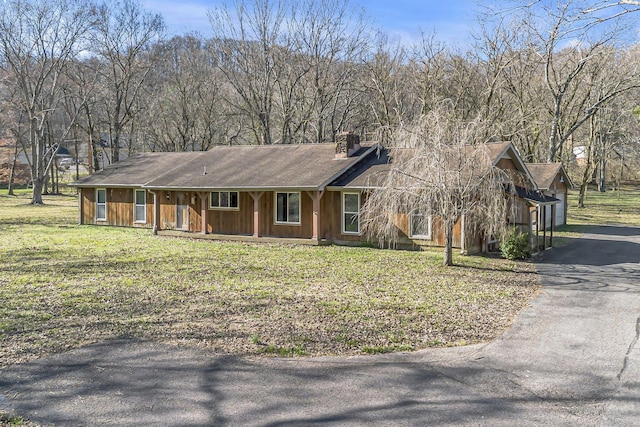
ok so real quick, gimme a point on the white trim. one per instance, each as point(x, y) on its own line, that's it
point(136, 205)
point(275, 208)
point(104, 204)
point(427, 236)
point(224, 208)
point(345, 213)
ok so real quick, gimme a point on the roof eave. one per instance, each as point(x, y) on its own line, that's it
point(103, 185)
point(235, 188)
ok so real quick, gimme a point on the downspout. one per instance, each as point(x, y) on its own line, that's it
point(544, 227)
point(80, 196)
point(463, 235)
point(553, 224)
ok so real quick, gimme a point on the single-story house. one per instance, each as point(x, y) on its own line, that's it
point(307, 192)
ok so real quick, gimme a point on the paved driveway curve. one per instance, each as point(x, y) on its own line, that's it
point(571, 358)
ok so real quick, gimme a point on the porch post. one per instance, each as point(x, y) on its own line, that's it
point(156, 211)
point(537, 216)
point(315, 197)
point(544, 227)
point(553, 224)
point(255, 195)
point(203, 211)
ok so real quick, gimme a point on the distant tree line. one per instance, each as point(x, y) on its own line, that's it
point(559, 80)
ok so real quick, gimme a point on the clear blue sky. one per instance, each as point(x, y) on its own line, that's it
point(401, 19)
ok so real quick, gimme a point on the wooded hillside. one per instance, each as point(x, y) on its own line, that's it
point(560, 81)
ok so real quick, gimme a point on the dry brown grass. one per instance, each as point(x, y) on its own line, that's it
point(64, 285)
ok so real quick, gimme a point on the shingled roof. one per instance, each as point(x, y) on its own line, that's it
point(370, 173)
point(134, 171)
point(545, 173)
point(251, 167)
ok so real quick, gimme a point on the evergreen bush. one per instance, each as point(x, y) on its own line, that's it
point(516, 246)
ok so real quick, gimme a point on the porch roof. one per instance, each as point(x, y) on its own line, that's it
point(535, 197)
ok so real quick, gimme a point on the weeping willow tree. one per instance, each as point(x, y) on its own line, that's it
point(440, 168)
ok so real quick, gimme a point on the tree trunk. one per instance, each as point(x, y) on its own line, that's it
point(602, 182)
point(448, 243)
point(36, 199)
point(37, 162)
point(582, 194)
point(12, 172)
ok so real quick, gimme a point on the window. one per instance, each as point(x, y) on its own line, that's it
point(101, 205)
point(140, 209)
point(288, 208)
point(351, 213)
point(223, 200)
point(420, 226)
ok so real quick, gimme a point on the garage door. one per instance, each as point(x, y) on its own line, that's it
point(560, 208)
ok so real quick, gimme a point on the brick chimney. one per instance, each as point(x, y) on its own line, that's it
point(347, 143)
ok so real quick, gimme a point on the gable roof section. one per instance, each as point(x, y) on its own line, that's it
point(500, 150)
point(545, 173)
point(250, 167)
point(366, 174)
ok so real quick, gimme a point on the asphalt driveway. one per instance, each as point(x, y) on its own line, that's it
point(571, 358)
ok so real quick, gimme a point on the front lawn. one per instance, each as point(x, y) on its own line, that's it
point(619, 207)
point(63, 285)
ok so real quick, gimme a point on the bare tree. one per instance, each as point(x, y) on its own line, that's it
point(388, 88)
point(428, 68)
point(331, 37)
point(250, 35)
point(572, 36)
point(37, 42)
point(439, 168)
point(124, 35)
point(183, 107)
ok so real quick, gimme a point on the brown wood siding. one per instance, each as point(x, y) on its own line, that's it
point(268, 226)
point(167, 210)
point(331, 218)
point(120, 208)
point(88, 201)
point(519, 211)
point(437, 232)
point(516, 176)
point(557, 186)
point(222, 221)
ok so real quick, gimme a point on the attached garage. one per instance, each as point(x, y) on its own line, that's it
point(552, 180)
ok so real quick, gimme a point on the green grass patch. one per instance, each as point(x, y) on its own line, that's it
point(618, 207)
point(63, 285)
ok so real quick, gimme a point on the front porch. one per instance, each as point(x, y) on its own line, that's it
point(243, 238)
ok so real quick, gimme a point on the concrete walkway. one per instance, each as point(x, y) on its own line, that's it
point(572, 358)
